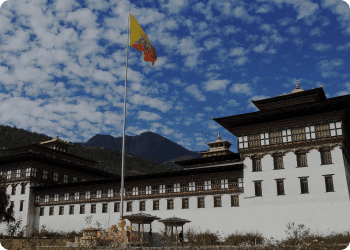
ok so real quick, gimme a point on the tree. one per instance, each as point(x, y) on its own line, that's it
point(6, 208)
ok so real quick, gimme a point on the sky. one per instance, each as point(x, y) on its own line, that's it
point(63, 63)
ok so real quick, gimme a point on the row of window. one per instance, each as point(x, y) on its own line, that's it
point(303, 185)
point(320, 131)
point(227, 183)
point(170, 205)
point(23, 190)
point(33, 172)
point(326, 158)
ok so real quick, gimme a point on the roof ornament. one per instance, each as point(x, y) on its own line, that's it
point(219, 137)
point(297, 89)
point(57, 136)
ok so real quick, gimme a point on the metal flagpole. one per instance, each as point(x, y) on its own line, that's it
point(123, 150)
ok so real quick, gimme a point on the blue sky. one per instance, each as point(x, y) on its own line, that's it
point(62, 63)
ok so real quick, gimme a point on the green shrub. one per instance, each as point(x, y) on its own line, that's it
point(206, 239)
point(239, 238)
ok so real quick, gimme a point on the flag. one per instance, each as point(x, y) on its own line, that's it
point(139, 41)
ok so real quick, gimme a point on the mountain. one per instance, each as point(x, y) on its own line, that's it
point(147, 145)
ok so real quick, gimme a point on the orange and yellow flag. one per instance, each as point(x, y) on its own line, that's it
point(139, 41)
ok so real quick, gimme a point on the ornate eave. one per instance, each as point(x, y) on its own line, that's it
point(233, 157)
point(56, 141)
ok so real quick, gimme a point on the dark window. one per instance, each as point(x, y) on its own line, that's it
point(301, 160)
point(298, 134)
point(280, 187)
point(256, 164)
point(21, 206)
point(322, 131)
point(156, 205)
point(276, 137)
point(216, 184)
point(13, 192)
point(155, 189)
point(116, 207)
point(329, 184)
point(42, 211)
point(93, 208)
point(258, 188)
point(217, 201)
point(170, 204)
point(303, 185)
point(23, 189)
point(184, 203)
point(278, 161)
point(254, 140)
point(104, 208)
point(326, 157)
point(71, 209)
point(142, 206)
point(200, 202)
point(184, 186)
point(82, 209)
point(200, 185)
point(234, 201)
point(61, 210)
point(142, 190)
point(169, 188)
point(129, 206)
point(51, 211)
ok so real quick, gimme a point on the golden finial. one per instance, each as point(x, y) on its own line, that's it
point(298, 87)
point(57, 136)
point(321, 86)
point(219, 137)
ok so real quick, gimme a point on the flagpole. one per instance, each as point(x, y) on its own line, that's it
point(123, 150)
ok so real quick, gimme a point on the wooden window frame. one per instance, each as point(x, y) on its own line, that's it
point(142, 206)
point(217, 201)
point(275, 137)
point(93, 209)
point(156, 205)
point(42, 211)
point(254, 140)
point(185, 203)
point(298, 134)
point(104, 208)
point(329, 183)
point(23, 189)
point(82, 209)
point(278, 161)
point(129, 206)
point(234, 200)
point(116, 207)
point(256, 162)
point(323, 131)
point(258, 188)
point(21, 205)
point(280, 187)
point(71, 209)
point(170, 204)
point(201, 200)
point(326, 156)
point(61, 210)
point(304, 185)
point(51, 211)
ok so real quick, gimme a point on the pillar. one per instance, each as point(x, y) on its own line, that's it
point(172, 235)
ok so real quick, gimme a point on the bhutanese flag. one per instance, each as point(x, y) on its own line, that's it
point(139, 40)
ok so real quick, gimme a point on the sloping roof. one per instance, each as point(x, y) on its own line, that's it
point(209, 160)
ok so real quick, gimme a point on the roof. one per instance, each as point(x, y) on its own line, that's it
point(140, 218)
point(57, 140)
point(174, 221)
point(178, 173)
point(209, 160)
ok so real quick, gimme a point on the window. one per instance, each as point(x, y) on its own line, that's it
point(256, 160)
point(55, 176)
point(329, 183)
point(23, 189)
point(278, 161)
point(264, 139)
point(142, 190)
point(13, 192)
point(280, 187)
point(135, 191)
point(18, 174)
point(184, 186)
point(200, 185)
point(207, 185)
point(129, 206)
point(65, 178)
point(254, 140)
point(110, 193)
point(47, 198)
point(21, 206)
point(37, 199)
point(234, 201)
point(51, 211)
point(335, 128)
point(76, 196)
point(9, 175)
point(93, 208)
point(257, 188)
point(142, 206)
point(148, 190)
point(170, 204)
point(61, 210)
point(310, 132)
point(45, 174)
point(75, 179)
point(82, 209)
point(42, 211)
point(87, 195)
point(303, 185)
point(98, 194)
point(83, 179)
point(286, 135)
point(169, 188)
point(275, 137)
point(301, 159)
point(326, 157)
point(200, 202)
point(224, 183)
point(243, 141)
point(192, 186)
point(155, 189)
point(56, 197)
point(27, 172)
point(217, 201)
point(162, 189)
point(71, 209)
point(298, 134)
point(322, 131)
point(33, 172)
point(185, 203)
point(156, 205)
point(176, 187)
point(66, 196)
point(116, 207)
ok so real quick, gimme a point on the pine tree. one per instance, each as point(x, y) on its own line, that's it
point(6, 209)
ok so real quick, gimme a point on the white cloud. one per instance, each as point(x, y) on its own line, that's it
point(325, 67)
point(344, 47)
point(233, 102)
point(284, 21)
point(241, 88)
point(148, 116)
point(157, 103)
point(194, 91)
point(321, 46)
point(317, 31)
point(174, 6)
point(213, 85)
point(260, 48)
point(240, 13)
point(238, 51)
point(199, 116)
point(208, 108)
point(293, 30)
point(212, 43)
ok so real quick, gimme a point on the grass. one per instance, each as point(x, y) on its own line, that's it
point(298, 238)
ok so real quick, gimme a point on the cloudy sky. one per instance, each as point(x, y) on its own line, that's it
point(62, 63)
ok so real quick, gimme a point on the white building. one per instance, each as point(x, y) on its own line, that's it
point(291, 166)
